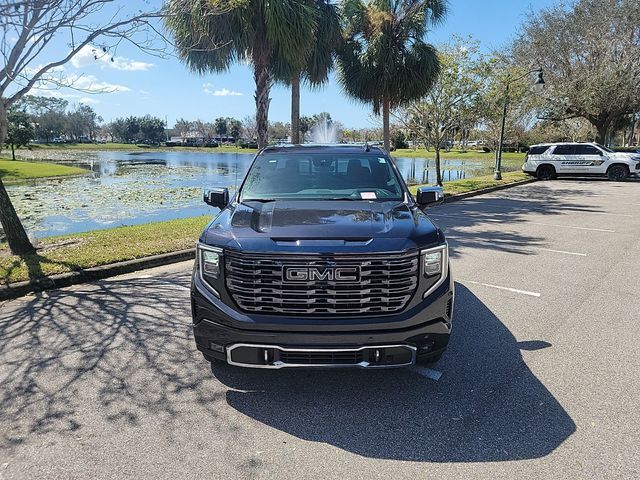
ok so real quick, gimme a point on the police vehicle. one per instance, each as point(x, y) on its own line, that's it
point(547, 161)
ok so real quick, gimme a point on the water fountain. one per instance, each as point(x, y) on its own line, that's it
point(324, 132)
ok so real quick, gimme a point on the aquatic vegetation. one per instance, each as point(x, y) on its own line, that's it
point(128, 189)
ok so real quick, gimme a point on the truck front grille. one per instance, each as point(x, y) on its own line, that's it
point(385, 284)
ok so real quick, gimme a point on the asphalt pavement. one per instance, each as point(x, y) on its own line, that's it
point(103, 380)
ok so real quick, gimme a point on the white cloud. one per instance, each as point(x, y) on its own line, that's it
point(89, 100)
point(90, 83)
point(144, 92)
point(223, 92)
point(89, 55)
point(64, 86)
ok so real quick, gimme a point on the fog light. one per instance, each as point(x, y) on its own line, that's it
point(427, 346)
point(216, 348)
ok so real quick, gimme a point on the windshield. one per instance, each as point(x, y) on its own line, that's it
point(604, 148)
point(318, 176)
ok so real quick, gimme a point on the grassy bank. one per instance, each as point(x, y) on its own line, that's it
point(404, 152)
point(100, 247)
point(128, 147)
point(509, 159)
point(478, 183)
point(17, 170)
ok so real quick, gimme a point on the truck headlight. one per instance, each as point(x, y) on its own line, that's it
point(209, 265)
point(435, 268)
point(435, 260)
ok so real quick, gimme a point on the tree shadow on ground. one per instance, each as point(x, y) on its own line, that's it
point(488, 406)
point(492, 222)
point(122, 349)
point(34, 263)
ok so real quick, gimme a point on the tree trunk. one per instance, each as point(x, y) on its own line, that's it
point(13, 151)
point(262, 76)
point(14, 231)
point(295, 108)
point(19, 243)
point(629, 138)
point(385, 124)
point(438, 170)
point(602, 133)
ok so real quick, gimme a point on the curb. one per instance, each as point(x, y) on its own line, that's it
point(475, 193)
point(19, 289)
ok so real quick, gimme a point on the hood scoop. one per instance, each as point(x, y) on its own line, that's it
point(321, 242)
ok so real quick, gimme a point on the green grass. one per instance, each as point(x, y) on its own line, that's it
point(128, 147)
point(509, 159)
point(478, 183)
point(100, 247)
point(16, 170)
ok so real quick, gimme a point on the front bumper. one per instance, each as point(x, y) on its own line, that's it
point(271, 341)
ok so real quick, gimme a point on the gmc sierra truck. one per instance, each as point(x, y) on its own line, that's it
point(322, 258)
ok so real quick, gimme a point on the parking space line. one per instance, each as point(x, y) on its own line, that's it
point(426, 372)
point(606, 230)
point(562, 251)
point(538, 209)
point(492, 220)
point(525, 250)
point(508, 289)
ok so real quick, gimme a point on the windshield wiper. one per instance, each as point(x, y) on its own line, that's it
point(261, 200)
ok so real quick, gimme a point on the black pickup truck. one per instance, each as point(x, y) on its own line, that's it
point(322, 258)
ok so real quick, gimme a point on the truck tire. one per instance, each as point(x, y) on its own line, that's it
point(618, 173)
point(546, 172)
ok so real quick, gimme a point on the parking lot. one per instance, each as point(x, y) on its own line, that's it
point(541, 379)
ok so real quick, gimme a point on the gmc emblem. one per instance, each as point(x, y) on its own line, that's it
point(329, 273)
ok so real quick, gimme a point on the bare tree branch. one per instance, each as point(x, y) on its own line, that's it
point(36, 23)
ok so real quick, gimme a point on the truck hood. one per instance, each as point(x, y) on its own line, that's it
point(322, 226)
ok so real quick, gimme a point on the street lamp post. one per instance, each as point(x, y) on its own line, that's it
point(539, 83)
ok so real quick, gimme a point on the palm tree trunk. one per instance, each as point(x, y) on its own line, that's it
point(385, 124)
point(19, 243)
point(295, 108)
point(262, 77)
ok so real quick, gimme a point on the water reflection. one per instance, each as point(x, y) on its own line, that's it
point(423, 170)
point(132, 188)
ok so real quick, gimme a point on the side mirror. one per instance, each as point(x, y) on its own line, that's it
point(429, 196)
point(217, 197)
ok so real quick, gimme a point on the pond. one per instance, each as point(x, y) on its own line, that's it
point(131, 188)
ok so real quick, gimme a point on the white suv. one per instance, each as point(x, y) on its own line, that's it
point(546, 161)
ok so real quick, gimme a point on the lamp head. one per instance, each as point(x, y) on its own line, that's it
point(539, 83)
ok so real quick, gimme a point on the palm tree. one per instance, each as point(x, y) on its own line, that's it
point(318, 64)
point(385, 60)
point(211, 35)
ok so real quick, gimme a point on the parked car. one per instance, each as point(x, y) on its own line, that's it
point(322, 259)
point(547, 161)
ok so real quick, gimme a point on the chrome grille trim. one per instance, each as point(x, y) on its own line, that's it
point(327, 357)
point(387, 283)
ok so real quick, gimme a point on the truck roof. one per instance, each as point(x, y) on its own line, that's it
point(325, 148)
point(562, 143)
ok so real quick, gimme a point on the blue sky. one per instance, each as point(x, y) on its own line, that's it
point(163, 87)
